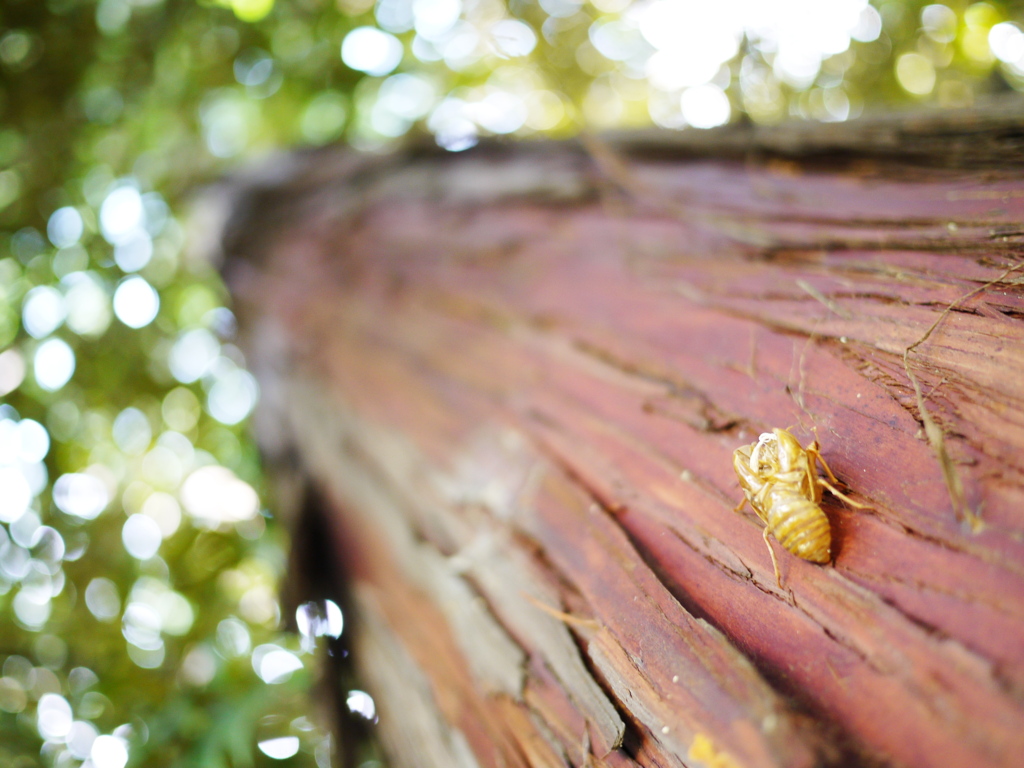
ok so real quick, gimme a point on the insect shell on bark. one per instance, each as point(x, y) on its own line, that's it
point(779, 480)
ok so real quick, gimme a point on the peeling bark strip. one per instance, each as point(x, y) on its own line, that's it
point(519, 375)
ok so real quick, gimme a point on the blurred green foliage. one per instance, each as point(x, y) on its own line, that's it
point(138, 561)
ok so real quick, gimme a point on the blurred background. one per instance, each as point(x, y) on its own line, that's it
point(139, 555)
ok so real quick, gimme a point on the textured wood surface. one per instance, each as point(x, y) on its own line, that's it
point(519, 375)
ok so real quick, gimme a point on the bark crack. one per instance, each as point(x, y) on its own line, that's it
point(936, 437)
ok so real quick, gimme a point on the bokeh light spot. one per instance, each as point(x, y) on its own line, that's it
point(121, 214)
point(147, 658)
point(406, 95)
point(513, 38)
point(228, 118)
point(500, 112)
point(109, 752)
point(324, 117)
point(318, 620)
point(80, 495)
point(394, 15)
point(65, 227)
point(232, 396)
point(53, 364)
point(43, 311)
point(16, 495)
point(915, 73)
point(27, 243)
point(274, 664)
point(15, 561)
point(131, 431)
point(141, 625)
point(134, 251)
point(10, 187)
point(560, 9)
point(369, 50)
point(48, 545)
point(87, 303)
point(34, 441)
point(164, 511)
point(233, 637)
point(12, 371)
point(19, 49)
point(361, 703)
point(214, 495)
point(868, 27)
point(173, 612)
point(22, 532)
point(433, 19)
point(136, 302)
point(199, 666)
point(251, 10)
point(102, 599)
point(193, 354)
point(53, 716)
point(253, 67)
point(162, 467)
point(280, 748)
point(545, 110)
point(180, 409)
point(32, 610)
point(141, 536)
point(939, 22)
point(705, 106)
point(12, 696)
point(80, 739)
point(1007, 42)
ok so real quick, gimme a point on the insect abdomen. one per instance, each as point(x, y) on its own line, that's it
point(800, 526)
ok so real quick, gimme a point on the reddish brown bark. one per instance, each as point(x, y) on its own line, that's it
point(520, 374)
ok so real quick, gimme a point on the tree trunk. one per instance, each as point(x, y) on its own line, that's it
point(517, 377)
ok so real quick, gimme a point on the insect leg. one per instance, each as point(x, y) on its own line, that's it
point(836, 492)
point(775, 563)
point(812, 450)
point(740, 505)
